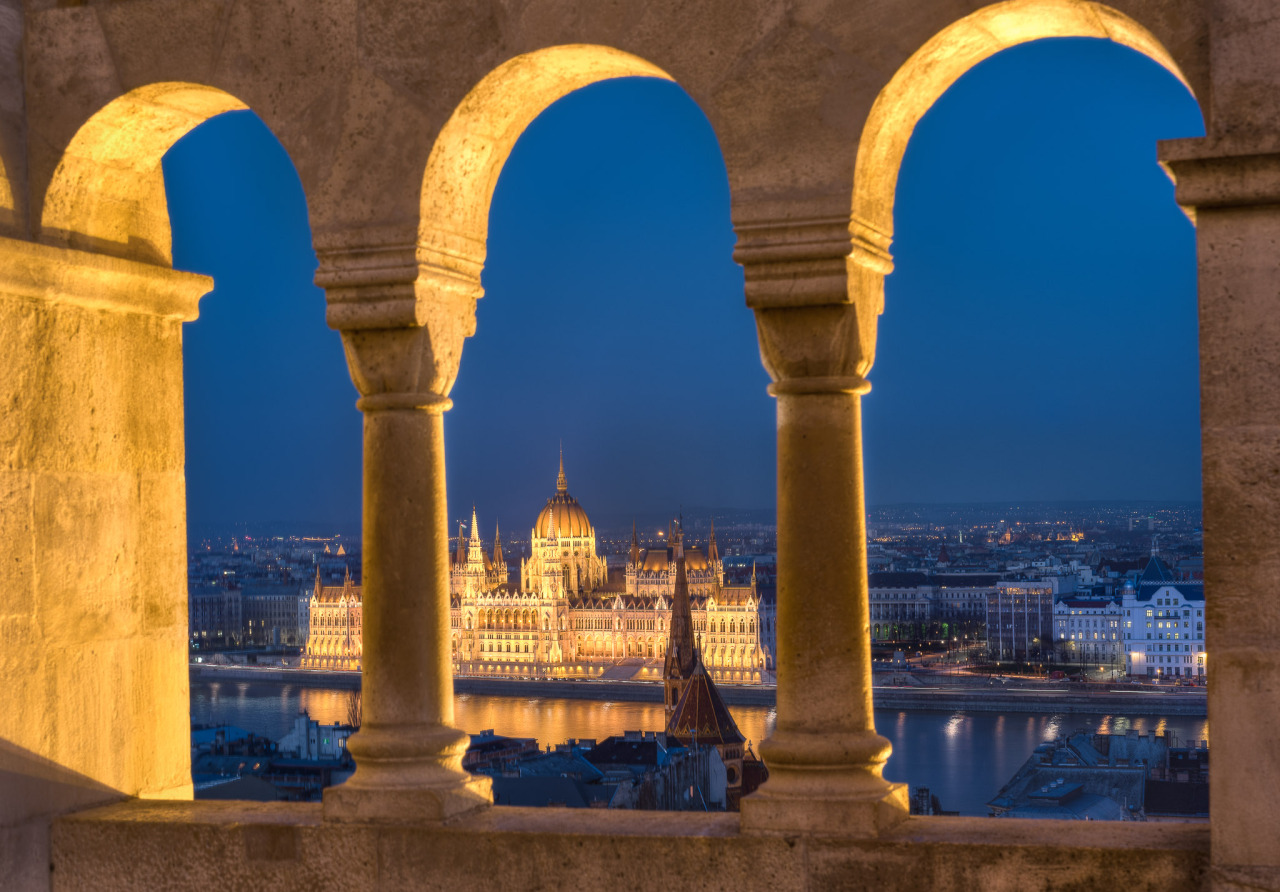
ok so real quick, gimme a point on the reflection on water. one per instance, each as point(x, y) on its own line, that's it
point(964, 758)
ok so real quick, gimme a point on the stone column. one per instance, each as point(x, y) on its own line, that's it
point(816, 307)
point(1232, 189)
point(403, 323)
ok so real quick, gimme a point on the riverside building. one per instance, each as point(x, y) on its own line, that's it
point(335, 626)
point(1164, 625)
point(569, 617)
point(1019, 620)
point(1088, 630)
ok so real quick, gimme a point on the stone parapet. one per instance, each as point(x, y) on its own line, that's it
point(246, 845)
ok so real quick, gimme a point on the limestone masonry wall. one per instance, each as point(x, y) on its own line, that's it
point(399, 115)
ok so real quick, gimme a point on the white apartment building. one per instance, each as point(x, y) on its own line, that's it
point(1089, 631)
point(1164, 625)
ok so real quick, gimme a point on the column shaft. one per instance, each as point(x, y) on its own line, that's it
point(408, 757)
point(825, 759)
point(406, 572)
point(824, 671)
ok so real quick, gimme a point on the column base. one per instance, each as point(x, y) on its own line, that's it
point(825, 784)
point(408, 774)
point(407, 805)
point(769, 813)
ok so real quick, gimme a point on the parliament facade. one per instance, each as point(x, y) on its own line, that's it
point(570, 616)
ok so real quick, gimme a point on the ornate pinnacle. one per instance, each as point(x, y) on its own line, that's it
point(562, 483)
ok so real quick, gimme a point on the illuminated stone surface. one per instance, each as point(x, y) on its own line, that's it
point(399, 115)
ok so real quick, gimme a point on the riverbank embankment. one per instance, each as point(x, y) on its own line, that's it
point(958, 698)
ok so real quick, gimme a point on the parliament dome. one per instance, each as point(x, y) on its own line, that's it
point(570, 518)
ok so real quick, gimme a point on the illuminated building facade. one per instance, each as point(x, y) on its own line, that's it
point(334, 626)
point(1019, 620)
point(214, 616)
point(1164, 625)
point(569, 617)
point(1088, 631)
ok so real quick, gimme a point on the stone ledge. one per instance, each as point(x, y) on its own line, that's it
point(181, 845)
point(59, 275)
point(1224, 172)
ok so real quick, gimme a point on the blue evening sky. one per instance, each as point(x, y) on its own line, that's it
point(1038, 341)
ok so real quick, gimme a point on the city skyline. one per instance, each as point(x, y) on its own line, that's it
point(651, 422)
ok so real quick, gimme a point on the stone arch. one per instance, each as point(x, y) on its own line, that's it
point(929, 73)
point(469, 153)
point(107, 193)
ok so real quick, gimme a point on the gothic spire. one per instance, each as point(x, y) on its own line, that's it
point(682, 649)
point(713, 553)
point(461, 557)
point(635, 546)
point(562, 483)
point(497, 547)
point(475, 527)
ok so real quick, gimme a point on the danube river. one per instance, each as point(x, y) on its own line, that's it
point(963, 758)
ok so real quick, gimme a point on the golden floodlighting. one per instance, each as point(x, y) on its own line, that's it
point(953, 51)
point(107, 193)
point(468, 155)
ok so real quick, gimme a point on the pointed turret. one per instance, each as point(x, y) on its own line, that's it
point(635, 546)
point(475, 555)
point(753, 575)
point(713, 553)
point(562, 482)
point(461, 557)
point(319, 583)
point(498, 559)
point(346, 580)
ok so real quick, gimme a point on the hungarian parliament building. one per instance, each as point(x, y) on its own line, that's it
point(569, 615)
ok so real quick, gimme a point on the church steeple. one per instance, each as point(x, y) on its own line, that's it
point(682, 649)
point(562, 483)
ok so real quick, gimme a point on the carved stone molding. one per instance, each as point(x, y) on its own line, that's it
point(791, 263)
point(404, 308)
point(809, 262)
point(817, 288)
point(1223, 173)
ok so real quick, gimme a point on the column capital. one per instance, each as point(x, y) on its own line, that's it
point(404, 308)
point(817, 349)
point(817, 288)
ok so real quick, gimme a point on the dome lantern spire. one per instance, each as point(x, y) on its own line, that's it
point(562, 483)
